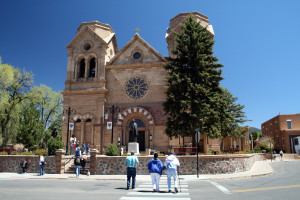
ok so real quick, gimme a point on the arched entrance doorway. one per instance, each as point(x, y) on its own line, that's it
point(145, 123)
point(141, 133)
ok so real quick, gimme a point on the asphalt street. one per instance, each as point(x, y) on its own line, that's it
point(284, 183)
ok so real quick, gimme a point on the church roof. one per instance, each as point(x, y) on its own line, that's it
point(135, 38)
point(106, 35)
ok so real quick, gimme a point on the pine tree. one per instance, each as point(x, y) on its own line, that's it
point(195, 98)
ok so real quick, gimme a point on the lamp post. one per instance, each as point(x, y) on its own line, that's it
point(69, 112)
point(112, 110)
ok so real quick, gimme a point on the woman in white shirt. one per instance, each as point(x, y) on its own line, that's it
point(42, 163)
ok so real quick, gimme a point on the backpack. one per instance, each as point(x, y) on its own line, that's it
point(77, 161)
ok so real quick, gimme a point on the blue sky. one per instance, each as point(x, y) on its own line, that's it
point(257, 41)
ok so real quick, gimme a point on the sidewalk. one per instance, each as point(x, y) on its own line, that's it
point(260, 168)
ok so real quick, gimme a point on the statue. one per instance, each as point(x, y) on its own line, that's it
point(133, 133)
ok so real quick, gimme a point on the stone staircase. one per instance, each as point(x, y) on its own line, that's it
point(71, 169)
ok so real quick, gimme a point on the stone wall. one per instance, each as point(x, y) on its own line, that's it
point(12, 164)
point(219, 164)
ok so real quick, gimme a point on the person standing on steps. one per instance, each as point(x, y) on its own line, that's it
point(172, 164)
point(155, 168)
point(132, 163)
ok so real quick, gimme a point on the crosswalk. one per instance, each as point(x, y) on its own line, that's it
point(145, 192)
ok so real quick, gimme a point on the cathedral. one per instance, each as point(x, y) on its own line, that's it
point(108, 88)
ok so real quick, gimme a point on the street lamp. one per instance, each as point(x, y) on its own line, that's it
point(112, 110)
point(69, 112)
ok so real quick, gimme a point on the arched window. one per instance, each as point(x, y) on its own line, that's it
point(92, 68)
point(78, 120)
point(138, 122)
point(81, 69)
point(88, 120)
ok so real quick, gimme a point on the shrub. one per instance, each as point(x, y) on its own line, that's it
point(27, 153)
point(3, 153)
point(54, 144)
point(15, 153)
point(211, 152)
point(18, 147)
point(112, 150)
point(265, 143)
point(257, 150)
point(42, 152)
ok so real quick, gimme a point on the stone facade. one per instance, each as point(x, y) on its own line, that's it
point(99, 76)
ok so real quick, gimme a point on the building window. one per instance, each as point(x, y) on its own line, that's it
point(81, 69)
point(92, 68)
point(136, 88)
point(277, 140)
point(289, 124)
point(271, 128)
point(282, 140)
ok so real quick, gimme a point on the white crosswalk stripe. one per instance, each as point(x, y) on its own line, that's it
point(145, 192)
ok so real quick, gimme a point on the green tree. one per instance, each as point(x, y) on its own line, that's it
point(231, 115)
point(194, 94)
point(30, 126)
point(14, 87)
point(49, 103)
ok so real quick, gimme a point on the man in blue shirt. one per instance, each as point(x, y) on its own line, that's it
point(132, 163)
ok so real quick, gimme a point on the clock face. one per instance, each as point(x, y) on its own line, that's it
point(136, 88)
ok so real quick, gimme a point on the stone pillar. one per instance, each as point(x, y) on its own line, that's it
point(94, 163)
point(59, 161)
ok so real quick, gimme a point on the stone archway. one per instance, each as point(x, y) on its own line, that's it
point(135, 113)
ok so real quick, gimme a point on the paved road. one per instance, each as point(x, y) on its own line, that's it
point(283, 184)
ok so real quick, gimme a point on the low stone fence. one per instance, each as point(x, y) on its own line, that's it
point(214, 164)
point(12, 163)
point(217, 164)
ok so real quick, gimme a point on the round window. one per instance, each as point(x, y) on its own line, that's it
point(137, 55)
point(87, 46)
point(136, 88)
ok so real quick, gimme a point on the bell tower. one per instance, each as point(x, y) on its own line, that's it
point(175, 23)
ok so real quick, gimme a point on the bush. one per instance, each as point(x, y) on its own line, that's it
point(27, 153)
point(266, 143)
point(15, 153)
point(257, 150)
point(211, 152)
point(54, 144)
point(3, 153)
point(112, 150)
point(42, 152)
point(18, 147)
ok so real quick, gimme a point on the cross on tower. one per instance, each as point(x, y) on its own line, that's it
point(137, 30)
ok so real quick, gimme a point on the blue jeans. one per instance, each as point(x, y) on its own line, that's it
point(131, 172)
point(41, 169)
point(170, 173)
point(77, 168)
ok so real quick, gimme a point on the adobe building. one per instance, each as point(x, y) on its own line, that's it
point(131, 80)
point(283, 129)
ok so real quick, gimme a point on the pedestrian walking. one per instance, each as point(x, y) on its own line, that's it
point(155, 168)
point(83, 162)
point(42, 164)
point(77, 163)
point(24, 165)
point(281, 155)
point(132, 163)
point(77, 153)
point(87, 149)
point(172, 164)
point(83, 147)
